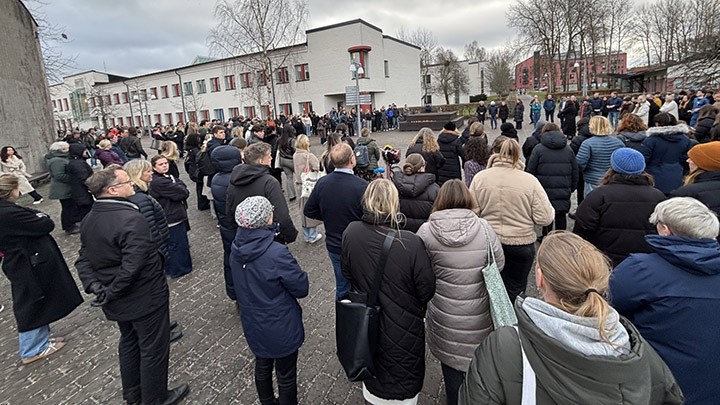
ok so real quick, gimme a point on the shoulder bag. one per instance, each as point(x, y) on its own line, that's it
point(501, 309)
point(309, 178)
point(357, 325)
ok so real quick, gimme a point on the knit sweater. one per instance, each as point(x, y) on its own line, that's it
point(593, 158)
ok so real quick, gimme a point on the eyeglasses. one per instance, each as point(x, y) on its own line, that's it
point(120, 184)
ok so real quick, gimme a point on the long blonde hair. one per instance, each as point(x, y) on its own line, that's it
point(600, 126)
point(382, 200)
point(578, 273)
point(134, 169)
point(427, 135)
point(169, 150)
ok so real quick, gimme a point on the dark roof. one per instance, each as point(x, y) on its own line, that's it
point(342, 24)
point(400, 41)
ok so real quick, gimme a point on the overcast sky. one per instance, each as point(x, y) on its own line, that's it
point(132, 37)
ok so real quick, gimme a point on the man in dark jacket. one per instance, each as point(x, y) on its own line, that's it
point(451, 149)
point(131, 145)
point(549, 107)
point(254, 178)
point(225, 158)
point(120, 263)
point(337, 201)
point(613, 108)
point(597, 104)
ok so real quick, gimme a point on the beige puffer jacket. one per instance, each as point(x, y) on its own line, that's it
point(512, 201)
point(458, 316)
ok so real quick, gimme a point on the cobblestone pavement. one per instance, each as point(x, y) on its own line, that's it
point(213, 356)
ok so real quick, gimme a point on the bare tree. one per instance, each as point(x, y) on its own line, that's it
point(474, 52)
point(101, 105)
point(448, 75)
point(51, 37)
point(499, 68)
point(193, 103)
point(260, 33)
point(426, 40)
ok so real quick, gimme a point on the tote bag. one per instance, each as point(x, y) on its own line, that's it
point(501, 309)
point(308, 179)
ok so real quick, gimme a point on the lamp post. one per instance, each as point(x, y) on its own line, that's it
point(147, 109)
point(583, 75)
point(357, 70)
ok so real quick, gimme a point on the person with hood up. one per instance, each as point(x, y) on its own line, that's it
point(593, 157)
point(268, 282)
point(458, 316)
point(493, 112)
point(570, 346)
point(553, 163)
point(518, 113)
point(508, 130)
point(665, 151)
point(672, 295)
point(425, 143)
point(79, 170)
point(417, 191)
point(253, 178)
point(703, 182)
point(614, 216)
point(451, 149)
point(503, 112)
point(533, 140)
point(631, 131)
point(224, 158)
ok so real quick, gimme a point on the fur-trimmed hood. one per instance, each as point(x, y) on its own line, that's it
point(669, 130)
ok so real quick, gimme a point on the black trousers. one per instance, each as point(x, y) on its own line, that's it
point(518, 124)
point(453, 380)
point(144, 350)
point(286, 372)
point(203, 203)
point(227, 236)
point(518, 261)
point(550, 116)
point(68, 213)
point(560, 223)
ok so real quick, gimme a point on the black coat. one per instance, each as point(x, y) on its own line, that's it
point(530, 143)
point(519, 111)
point(43, 290)
point(705, 189)
point(153, 213)
point(554, 165)
point(117, 250)
point(568, 114)
point(452, 150)
point(614, 217)
point(249, 180)
point(408, 284)
point(224, 158)
point(417, 196)
point(702, 129)
point(503, 112)
point(172, 195)
point(433, 160)
point(583, 133)
point(79, 171)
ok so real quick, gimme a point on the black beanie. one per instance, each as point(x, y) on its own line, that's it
point(508, 128)
point(450, 126)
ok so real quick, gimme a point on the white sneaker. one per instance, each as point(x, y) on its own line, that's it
point(38, 201)
point(51, 348)
point(317, 238)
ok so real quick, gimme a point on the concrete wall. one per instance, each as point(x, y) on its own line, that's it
point(25, 114)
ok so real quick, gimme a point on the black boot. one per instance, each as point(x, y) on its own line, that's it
point(176, 394)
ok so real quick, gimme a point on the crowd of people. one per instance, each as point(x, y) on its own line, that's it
point(628, 300)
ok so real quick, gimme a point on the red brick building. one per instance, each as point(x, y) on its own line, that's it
point(535, 72)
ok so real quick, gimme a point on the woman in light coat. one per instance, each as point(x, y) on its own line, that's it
point(458, 316)
point(304, 160)
point(11, 162)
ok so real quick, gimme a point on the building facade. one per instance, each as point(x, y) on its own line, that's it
point(476, 72)
point(538, 72)
point(306, 77)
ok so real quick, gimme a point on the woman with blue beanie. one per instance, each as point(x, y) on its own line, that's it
point(614, 217)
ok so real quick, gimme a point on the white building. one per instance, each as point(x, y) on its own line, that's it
point(310, 76)
point(477, 83)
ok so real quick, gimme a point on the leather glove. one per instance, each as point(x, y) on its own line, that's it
point(95, 288)
point(100, 299)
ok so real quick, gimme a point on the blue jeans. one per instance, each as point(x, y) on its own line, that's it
point(180, 262)
point(342, 286)
point(308, 130)
point(588, 188)
point(614, 116)
point(309, 233)
point(33, 342)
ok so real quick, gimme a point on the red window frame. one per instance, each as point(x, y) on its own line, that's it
point(229, 82)
point(176, 90)
point(168, 118)
point(65, 104)
point(153, 91)
point(214, 85)
point(158, 118)
point(262, 76)
point(303, 71)
point(205, 114)
point(249, 112)
point(54, 104)
point(234, 112)
point(193, 116)
point(121, 121)
point(306, 106)
point(116, 98)
point(179, 116)
point(164, 90)
point(125, 97)
point(286, 109)
point(245, 80)
point(282, 75)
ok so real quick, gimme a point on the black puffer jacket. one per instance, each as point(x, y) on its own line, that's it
point(583, 133)
point(417, 196)
point(249, 180)
point(633, 139)
point(568, 114)
point(614, 217)
point(433, 160)
point(705, 189)
point(407, 286)
point(172, 195)
point(703, 127)
point(224, 158)
point(155, 217)
point(79, 171)
point(452, 150)
point(554, 165)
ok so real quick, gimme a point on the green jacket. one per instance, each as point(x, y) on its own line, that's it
point(564, 376)
point(373, 151)
point(60, 180)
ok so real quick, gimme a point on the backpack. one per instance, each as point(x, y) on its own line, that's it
point(362, 156)
point(204, 164)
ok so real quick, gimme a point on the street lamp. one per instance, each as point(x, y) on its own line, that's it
point(583, 76)
point(357, 70)
point(147, 109)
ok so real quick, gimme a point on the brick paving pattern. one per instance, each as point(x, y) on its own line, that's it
point(213, 356)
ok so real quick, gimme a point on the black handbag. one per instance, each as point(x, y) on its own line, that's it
point(357, 325)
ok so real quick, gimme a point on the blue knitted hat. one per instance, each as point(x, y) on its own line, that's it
point(627, 161)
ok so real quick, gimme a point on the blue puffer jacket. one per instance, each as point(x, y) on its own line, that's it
point(673, 297)
point(224, 158)
point(268, 281)
point(665, 151)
